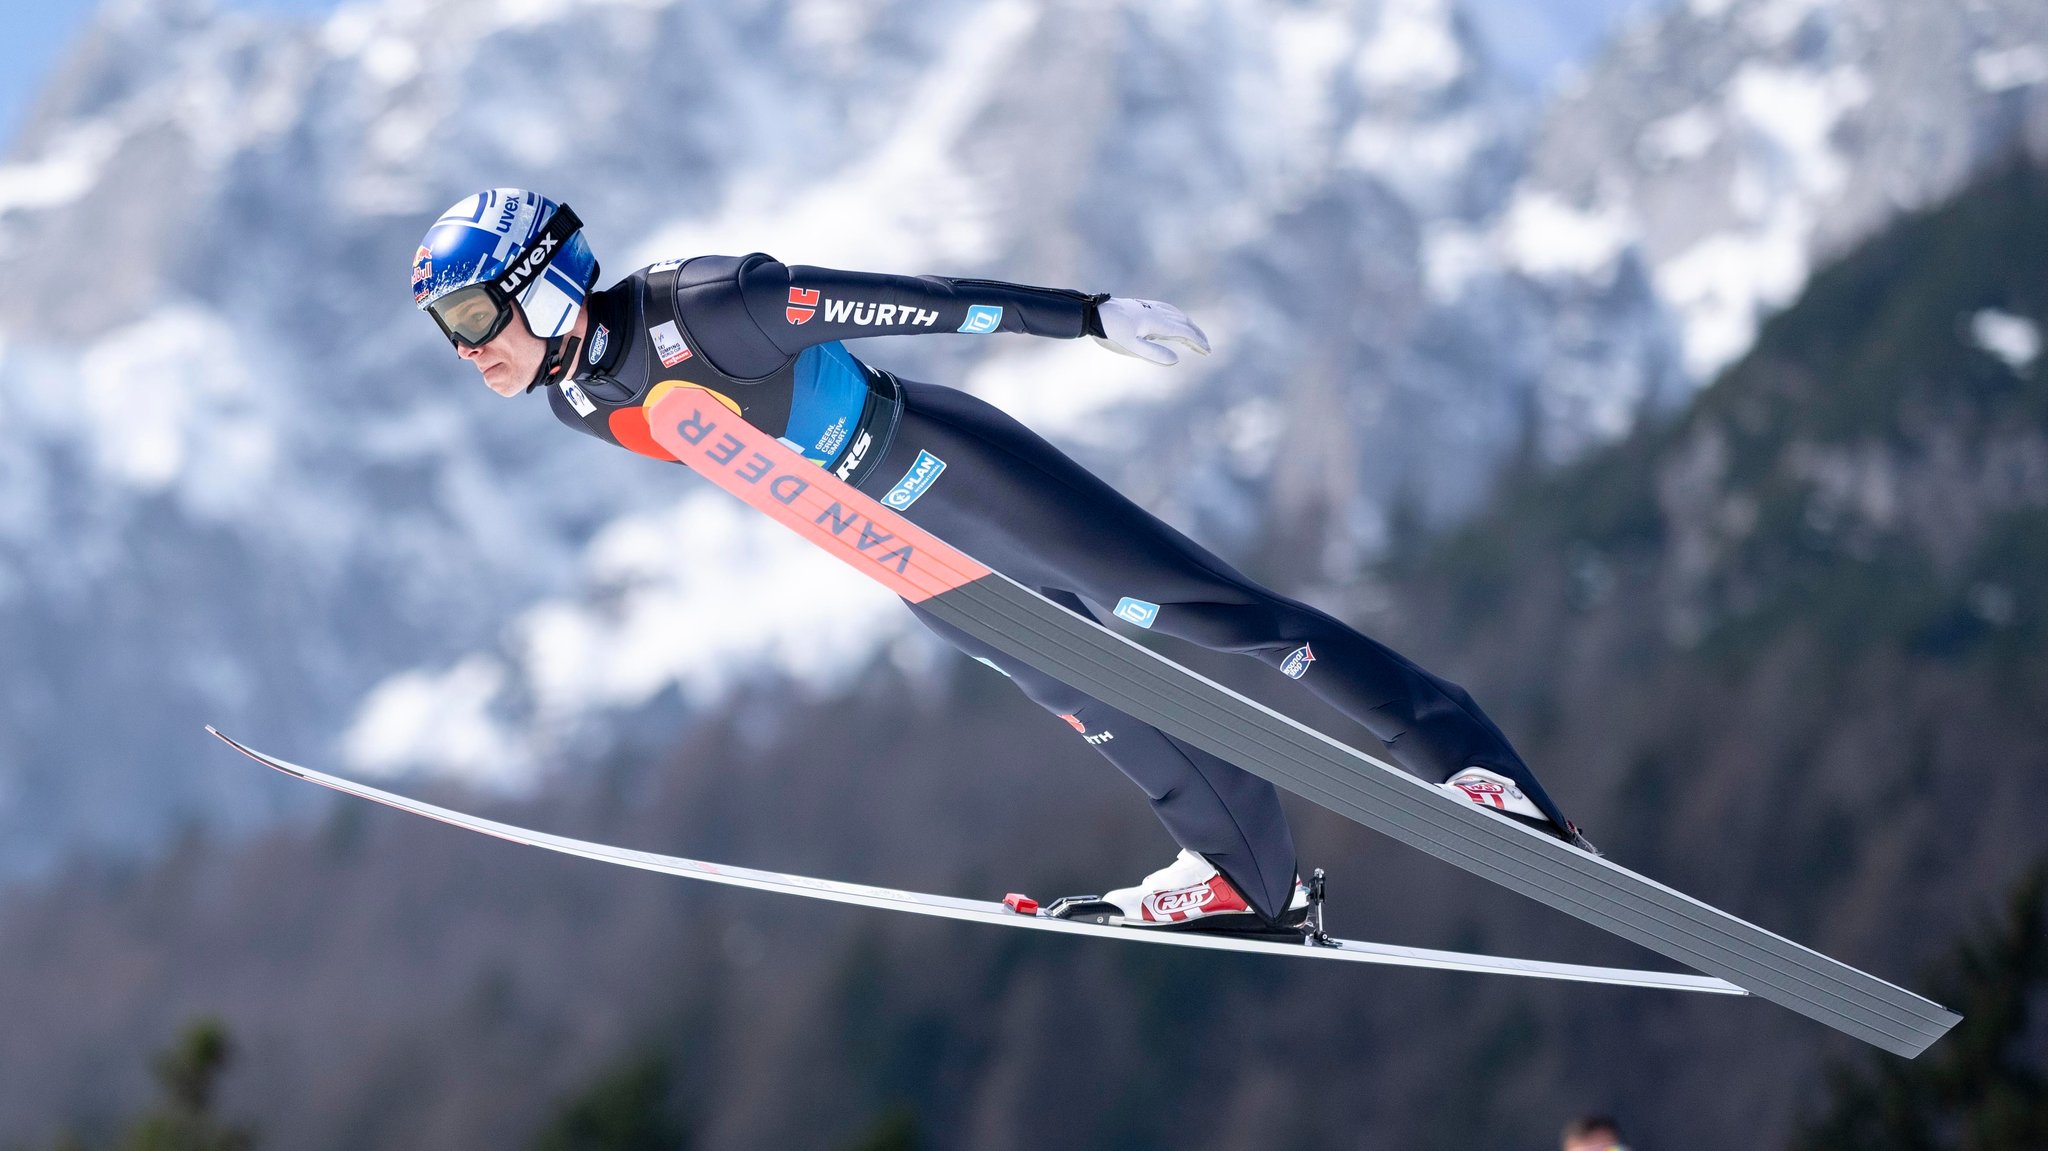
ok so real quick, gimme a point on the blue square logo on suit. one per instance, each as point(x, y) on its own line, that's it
point(982, 319)
point(1137, 611)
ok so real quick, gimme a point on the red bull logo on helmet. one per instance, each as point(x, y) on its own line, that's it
point(422, 273)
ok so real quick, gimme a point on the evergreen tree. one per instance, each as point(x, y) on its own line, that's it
point(1982, 1087)
point(894, 1131)
point(626, 1108)
point(189, 1073)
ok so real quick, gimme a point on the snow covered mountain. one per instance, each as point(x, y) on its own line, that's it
point(1733, 144)
point(241, 483)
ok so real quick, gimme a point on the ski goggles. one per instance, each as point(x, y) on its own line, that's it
point(473, 315)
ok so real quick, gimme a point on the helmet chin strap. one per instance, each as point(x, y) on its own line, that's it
point(561, 352)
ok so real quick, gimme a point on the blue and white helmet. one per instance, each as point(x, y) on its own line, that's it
point(520, 247)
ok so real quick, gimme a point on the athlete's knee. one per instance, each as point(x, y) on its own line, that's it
point(1237, 628)
point(1458, 696)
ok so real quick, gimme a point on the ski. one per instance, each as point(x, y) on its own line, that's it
point(984, 911)
point(691, 424)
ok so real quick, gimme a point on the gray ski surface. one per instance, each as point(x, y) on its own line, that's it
point(1381, 796)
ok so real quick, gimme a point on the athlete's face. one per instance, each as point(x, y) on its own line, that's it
point(508, 362)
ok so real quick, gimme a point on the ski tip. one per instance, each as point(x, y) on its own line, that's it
point(252, 753)
point(228, 739)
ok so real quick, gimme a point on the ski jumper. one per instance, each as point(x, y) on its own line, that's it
point(765, 338)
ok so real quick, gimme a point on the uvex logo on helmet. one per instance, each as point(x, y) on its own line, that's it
point(529, 263)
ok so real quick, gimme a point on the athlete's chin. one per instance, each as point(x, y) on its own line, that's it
point(499, 379)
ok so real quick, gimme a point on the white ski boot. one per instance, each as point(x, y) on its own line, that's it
point(1496, 791)
point(1188, 894)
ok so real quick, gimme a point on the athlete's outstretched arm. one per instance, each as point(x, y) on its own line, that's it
point(800, 305)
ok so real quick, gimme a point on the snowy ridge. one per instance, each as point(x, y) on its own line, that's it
point(1733, 144)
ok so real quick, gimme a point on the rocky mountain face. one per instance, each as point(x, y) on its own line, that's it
point(1783, 649)
point(1731, 146)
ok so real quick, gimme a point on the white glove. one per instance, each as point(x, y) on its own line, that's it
point(1143, 328)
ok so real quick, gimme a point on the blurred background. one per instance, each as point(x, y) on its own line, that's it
point(1668, 372)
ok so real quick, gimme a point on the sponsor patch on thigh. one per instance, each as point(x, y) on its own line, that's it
point(1296, 664)
point(915, 482)
point(1137, 611)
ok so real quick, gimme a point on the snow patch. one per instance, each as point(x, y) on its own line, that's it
point(25, 482)
point(1414, 47)
point(1677, 139)
point(1773, 22)
point(2014, 339)
point(1296, 108)
point(699, 596)
point(1068, 389)
point(396, 137)
point(351, 29)
point(167, 401)
point(390, 61)
point(67, 170)
point(1722, 285)
point(1422, 162)
point(1453, 255)
point(1797, 111)
point(441, 722)
point(527, 13)
point(1252, 432)
point(1789, 170)
point(830, 24)
point(696, 595)
point(2004, 69)
point(865, 215)
point(1544, 236)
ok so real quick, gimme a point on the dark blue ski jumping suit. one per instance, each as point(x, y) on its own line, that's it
point(766, 337)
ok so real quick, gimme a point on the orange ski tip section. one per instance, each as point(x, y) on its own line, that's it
point(629, 427)
point(700, 428)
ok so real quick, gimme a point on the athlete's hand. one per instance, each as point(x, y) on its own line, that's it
point(1144, 328)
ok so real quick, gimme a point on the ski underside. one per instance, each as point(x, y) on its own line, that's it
point(700, 429)
point(983, 911)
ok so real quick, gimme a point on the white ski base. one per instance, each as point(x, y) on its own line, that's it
point(982, 911)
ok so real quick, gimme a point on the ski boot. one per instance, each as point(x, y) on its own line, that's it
point(1188, 894)
point(1499, 794)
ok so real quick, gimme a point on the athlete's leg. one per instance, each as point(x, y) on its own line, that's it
point(1221, 812)
point(1018, 501)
